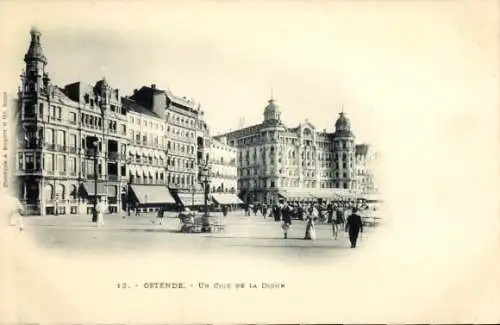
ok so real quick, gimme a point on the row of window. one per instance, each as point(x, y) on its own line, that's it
point(290, 183)
point(260, 138)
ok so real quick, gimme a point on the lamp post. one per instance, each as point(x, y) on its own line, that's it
point(205, 181)
point(193, 191)
point(94, 210)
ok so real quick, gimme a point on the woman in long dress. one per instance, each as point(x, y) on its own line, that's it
point(310, 230)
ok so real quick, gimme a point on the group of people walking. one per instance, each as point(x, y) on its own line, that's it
point(331, 214)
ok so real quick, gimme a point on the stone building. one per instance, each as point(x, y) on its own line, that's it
point(66, 138)
point(275, 160)
point(224, 171)
point(367, 159)
point(185, 141)
point(147, 158)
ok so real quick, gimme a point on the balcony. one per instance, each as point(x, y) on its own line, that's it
point(91, 152)
point(49, 146)
point(113, 156)
point(30, 145)
point(113, 177)
point(29, 116)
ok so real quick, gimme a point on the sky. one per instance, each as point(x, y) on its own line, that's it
point(416, 78)
point(231, 56)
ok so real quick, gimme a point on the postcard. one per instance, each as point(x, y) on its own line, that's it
point(249, 162)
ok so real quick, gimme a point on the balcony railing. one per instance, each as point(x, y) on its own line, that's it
point(50, 146)
point(113, 177)
point(30, 145)
point(91, 152)
point(113, 155)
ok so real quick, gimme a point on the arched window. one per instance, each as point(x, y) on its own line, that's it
point(73, 193)
point(48, 192)
point(60, 194)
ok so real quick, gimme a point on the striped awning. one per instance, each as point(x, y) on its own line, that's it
point(152, 194)
point(198, 199)
point(296, 194)
point(226, 198)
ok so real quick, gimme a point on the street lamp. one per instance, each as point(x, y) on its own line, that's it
point(94, 211)
point(205, 180)
point(193, 191)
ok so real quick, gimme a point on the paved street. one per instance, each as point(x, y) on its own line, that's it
point(243, 234)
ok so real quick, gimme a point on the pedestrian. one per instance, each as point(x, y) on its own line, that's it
point(354, 226)
point(329, 209)
point(310, 229)
point(161, 214)
point(264, 210)
point(277, 213)
point(100, 208)
point(337, 222)
point(255, 209)
point(287, 220)
point(15, 214)
point(224, 210)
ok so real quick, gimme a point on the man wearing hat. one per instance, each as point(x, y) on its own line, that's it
point(354, 225)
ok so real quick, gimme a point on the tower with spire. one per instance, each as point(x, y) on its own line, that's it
point(34, 77)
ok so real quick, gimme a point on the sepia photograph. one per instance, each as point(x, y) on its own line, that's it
point(249, 162)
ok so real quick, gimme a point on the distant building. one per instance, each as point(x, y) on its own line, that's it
point(223, 163)
point(275, 160)
point(365, 168)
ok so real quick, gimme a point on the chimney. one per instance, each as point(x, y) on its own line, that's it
point(135, 91)
point(153, 86)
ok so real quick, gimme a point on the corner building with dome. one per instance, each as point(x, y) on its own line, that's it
point(276, 161)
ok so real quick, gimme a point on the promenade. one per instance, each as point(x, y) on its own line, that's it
point(121, 233)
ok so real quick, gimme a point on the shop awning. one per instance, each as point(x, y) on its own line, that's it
point(331, 193)
point(89, 188)
point(296, 194)
point(187, 199)
point(152, 194)
point(226, 198)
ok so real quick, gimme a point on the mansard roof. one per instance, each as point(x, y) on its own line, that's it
point(362, 149)
point(132, 105)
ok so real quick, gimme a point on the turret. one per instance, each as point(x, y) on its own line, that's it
point(35, 64)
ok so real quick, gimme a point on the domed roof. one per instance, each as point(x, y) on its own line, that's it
point(343, 127)
point(271, 107)
point(342, 123)
point(272, 112)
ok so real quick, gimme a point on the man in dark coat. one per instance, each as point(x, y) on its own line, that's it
point(354, 225)
point(277, 213)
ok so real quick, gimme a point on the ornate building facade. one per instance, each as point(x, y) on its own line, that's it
point(67, 138)
point(223, 162)
point(367, 159)
point(82, 141)
point(183, 138)
point(273, 158)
